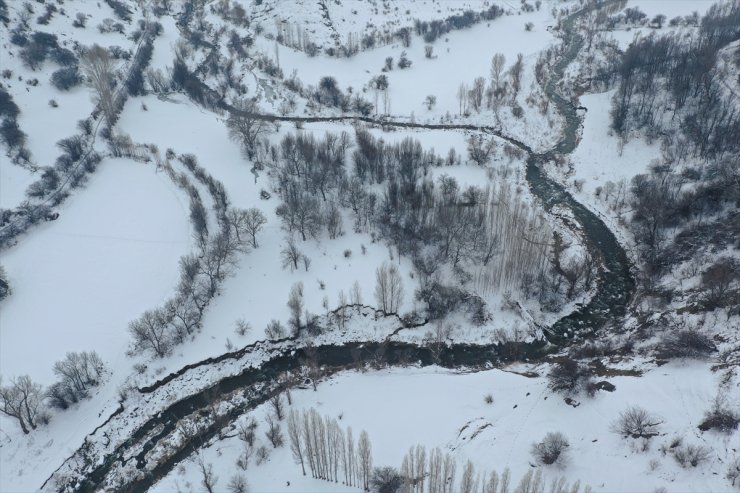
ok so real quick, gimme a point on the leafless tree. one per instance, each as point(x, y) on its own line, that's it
point(636, 422)
point(295, 305)
point(294, 435)
point(238, 484)
point(551, 449)
point(246, 222)
point(246, 126)
point(274, 330)
point(98, 66)
point(480, 150)
point(151, 331)
point(22, 400)
point(208, 478)
point(476, 93)
point(291, 255)
point(388, 288)
point(365, 459)
point(277, 406)
point(274, 434)
point(497, 68)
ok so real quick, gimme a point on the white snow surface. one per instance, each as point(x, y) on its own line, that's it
point(434, 407)
point(114, 255)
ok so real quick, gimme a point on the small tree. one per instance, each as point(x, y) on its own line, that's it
point(246, 126)
point(365, 459)
point(274, 330)
point(430, 101)
point(428, 51)
point(480, 150)
point(388, 288)
point(636, 422)
point(385, 480)
point(208, 478)
point(151, 331)
point(21, 400)
point(238, 484)
point(274, 434)
point(403, 61)
point(295, 305)
point(291, 255)
point(551, 450)
point(99, 68)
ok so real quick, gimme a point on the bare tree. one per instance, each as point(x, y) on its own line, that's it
point(476, 93)
point(274, 434)
point(208, 477)
point(388, 288)
point(254, 222)
point(295, 305)
point(294, 435)
point(246, 126)
point(98, 67)
point(22, 400)
point(480, 150)
point(238, 484)
point(365, 459)
point(151, 331)
point(636, 422)
point(497, 68)
point(274, 330)
point(291, 255)
point(516, 74)
point(551, 449)
point(246, 222)
point(277, 406)
point(462, 98)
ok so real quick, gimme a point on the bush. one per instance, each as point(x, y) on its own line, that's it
point(636, 422)
point(385, 480)
point(685, 343)
point(691, 455)
point(65, 79)
point(551, 450)
point(568, 376)
point(720, 417)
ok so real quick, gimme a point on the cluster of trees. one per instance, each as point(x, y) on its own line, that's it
point(26, 401)
point(669, 87)
point(671, 79)
point(159, 329)
point(329, 452)
point(432, 30)
point(40, 46)
point(503, 86)
point(78, 158)
point(10, 133)
point(489, 236)
point(438, 472)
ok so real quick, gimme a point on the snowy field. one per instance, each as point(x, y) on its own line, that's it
point(114, 255)
point(438, 408)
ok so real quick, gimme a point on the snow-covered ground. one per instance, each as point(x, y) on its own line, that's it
point(79, 280)
point(113, 253)
point(434, 407)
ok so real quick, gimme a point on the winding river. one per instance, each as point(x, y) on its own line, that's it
point(609, 303)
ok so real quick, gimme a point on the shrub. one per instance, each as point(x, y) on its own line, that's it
point(568, 376)
point(733, 471)
point(551, 450)
point(385, 480)
point(66, 78)
point(685, 343)
point(636, 422)
point(720, 417)
point(691, 455)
